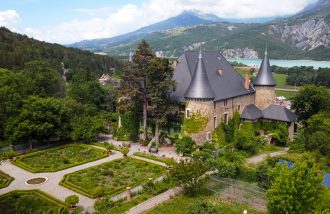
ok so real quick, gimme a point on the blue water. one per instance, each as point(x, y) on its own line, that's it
point(285, 63)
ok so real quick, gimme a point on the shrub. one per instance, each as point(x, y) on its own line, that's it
point(184, 145)
point(124, 151)
point(246, 139)
point(247, 174)
point(202, 207)
point(103, 205)
point(72, 200)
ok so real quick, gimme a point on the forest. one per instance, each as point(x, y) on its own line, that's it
point(50, 92)
point(298, 76)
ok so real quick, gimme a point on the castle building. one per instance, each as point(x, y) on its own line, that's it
point(208, 85)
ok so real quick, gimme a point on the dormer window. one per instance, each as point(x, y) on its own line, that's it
point(220, 72)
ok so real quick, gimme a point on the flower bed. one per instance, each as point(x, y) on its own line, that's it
point(58, 158)
point(112, 177)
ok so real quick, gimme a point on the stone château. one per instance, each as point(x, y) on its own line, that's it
point(207, 84)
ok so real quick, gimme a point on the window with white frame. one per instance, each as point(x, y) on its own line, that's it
point(187, 113)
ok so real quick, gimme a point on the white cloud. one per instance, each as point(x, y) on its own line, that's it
point(9, 19)
point(131, 17)
point(95, 11)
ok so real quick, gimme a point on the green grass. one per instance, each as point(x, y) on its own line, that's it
point(286, 94)
point(30, 201)
point(168, 161)
point(181, 204)
point(112, 177)
point(58, 158)
point(5, 179)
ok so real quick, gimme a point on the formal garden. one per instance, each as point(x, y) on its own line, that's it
point(112, 177)
point(31, 202)
point(59, 158)
point(5, 179)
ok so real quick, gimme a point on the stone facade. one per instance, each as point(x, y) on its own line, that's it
point(217, 111)
point(264, 96)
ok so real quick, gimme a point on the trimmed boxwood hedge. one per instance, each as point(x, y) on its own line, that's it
point(63, 208)
point(66, 183)
point(5, 179)
point(168, 161)
point(20, 162)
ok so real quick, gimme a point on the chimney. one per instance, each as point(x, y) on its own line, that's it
point(174, 63)
point(247, 80)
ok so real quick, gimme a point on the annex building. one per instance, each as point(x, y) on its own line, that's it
point(207, 83)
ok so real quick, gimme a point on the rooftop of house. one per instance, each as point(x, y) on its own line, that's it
point(272, 112)
point(265, 76)
point(223, 79)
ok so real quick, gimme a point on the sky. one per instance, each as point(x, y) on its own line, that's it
point(68, 21)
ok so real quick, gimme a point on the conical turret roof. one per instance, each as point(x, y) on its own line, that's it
point(265, 76)
point(200, 87)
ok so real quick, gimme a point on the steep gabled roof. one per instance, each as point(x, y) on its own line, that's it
point(265, 76)
point(251, 112)
point(200, 87)
point(279, 113)
point(229, 84)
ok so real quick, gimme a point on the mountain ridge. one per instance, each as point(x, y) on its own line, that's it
point(304, 35)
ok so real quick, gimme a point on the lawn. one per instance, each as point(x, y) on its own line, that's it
point(180, 205)
point(112, 177)
point(286, 94)
point(5, 180)
point(30, 201)
point(58, 158)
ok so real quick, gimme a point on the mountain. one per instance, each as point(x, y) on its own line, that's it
point(305, 35)
point(186, 18)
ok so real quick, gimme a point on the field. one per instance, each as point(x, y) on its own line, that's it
point(30, 201)
point(286, 94)
point(5, 179)
point(58, 158)
point(112, 177)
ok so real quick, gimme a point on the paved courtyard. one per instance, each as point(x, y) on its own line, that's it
point(52, 187)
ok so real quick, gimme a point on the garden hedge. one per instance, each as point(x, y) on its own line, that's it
point(18, 162)
point(7, 179)
point(168, 161)
point(63, 207)
point(65, 182)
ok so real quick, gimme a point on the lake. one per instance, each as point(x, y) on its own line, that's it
point(285, 63)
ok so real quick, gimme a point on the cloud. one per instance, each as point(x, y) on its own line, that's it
point(130, 17)
point(9, 19)
point(95, 11)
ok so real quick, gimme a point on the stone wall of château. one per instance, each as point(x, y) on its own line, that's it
point(264, 96)
point(217, 112)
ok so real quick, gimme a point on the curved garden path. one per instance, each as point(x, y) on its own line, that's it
point(259, 158)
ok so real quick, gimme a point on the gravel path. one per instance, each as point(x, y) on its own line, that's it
point(153, 202)
point(260, 158)
point(52, 187)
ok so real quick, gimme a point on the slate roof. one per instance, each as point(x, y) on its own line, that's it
point(251, 112)
point(230, 84)
point(199, 86)
point(279, 113)
point(265, 76)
